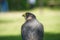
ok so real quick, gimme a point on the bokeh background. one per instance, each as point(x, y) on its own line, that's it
point(46, 11)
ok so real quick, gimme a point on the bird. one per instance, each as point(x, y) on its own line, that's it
point(32, 29)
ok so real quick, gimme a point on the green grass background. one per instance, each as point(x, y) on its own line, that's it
point(11, 22)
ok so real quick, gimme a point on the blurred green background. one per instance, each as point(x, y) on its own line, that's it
point(23, 5)
point(11, 22)
point(48, 15)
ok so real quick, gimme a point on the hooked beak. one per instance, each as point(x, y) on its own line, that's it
point(24, 15)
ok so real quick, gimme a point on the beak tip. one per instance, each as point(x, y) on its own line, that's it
point(23, 15)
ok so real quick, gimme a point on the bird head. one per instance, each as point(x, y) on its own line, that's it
point(29, 16)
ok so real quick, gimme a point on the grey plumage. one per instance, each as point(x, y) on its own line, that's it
point(32, 30)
